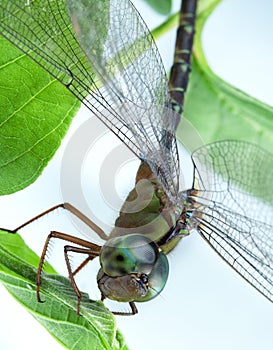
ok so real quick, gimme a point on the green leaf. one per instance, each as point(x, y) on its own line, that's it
point(35, 114)
point(217, 110)
point(161, 6)
point(35, 109)
point(95, 329)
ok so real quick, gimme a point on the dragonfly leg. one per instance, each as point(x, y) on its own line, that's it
point(71, 209)
point(120, 313)
point(91, 255)
point(81, 266)
point(86, 220)
point(133, 307)
point(90, 248)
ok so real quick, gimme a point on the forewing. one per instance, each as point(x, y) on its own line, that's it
point(234, 208)
point(105, 43)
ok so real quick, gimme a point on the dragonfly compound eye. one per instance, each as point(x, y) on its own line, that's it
point(128, 254)
point(133, 268)
point(157, 278)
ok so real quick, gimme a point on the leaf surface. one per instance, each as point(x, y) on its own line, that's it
point(35, 114)
point(95, 329)
point(163, 7)
point(218, 110)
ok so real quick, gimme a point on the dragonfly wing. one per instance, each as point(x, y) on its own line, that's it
point(249, 252)
point(104, 54)
point(234, 208)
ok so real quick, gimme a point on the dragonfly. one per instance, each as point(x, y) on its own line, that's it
point(103, 52)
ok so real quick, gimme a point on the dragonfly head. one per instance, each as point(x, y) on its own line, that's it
point(133, 268)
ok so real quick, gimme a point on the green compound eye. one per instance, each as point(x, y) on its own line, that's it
point(157, 278)
point(128, 254)
point(135, 264)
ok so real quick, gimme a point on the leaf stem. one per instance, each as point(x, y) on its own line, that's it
point(170, 23)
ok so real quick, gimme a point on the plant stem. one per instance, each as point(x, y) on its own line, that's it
point(170, 23)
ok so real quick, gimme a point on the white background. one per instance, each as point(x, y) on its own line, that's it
point(205, 305)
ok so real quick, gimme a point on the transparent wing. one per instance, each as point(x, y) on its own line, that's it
point(103, 48)
point(234, 208)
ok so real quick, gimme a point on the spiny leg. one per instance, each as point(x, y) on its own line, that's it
point(71, 209)
point(81, 266)
point(93, 249)
point(71, 274)
point(133, 312)
point(120, 313)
